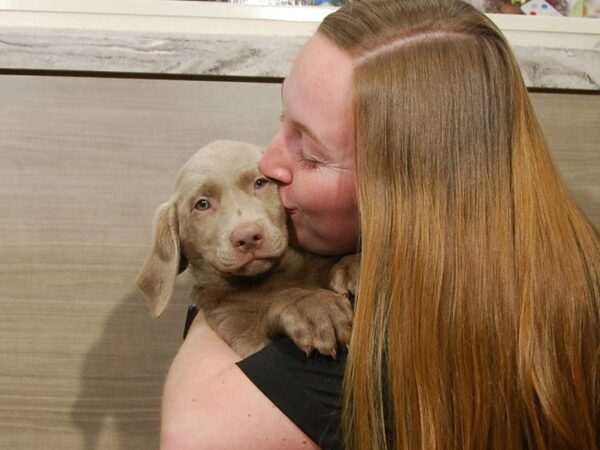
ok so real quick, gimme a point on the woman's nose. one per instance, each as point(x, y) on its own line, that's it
point(274, 163)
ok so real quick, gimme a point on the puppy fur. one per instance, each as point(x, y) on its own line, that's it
point(225, 224)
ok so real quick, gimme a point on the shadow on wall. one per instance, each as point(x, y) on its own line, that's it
point(118, 404)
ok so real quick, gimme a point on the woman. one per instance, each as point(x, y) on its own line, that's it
point(477, 314)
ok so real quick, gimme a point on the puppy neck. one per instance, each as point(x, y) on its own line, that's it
point(206, 276)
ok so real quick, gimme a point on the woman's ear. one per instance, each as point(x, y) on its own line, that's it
point(157, 277)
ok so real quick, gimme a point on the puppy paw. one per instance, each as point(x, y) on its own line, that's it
point(344, 275)
point(318, 320)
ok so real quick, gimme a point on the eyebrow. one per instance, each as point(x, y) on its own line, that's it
point(206, 189)
point(246, 177)
point(314, 137)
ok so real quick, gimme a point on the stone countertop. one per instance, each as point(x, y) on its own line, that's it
point(241, 54)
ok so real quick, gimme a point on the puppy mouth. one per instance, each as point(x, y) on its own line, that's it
point(259, 261)
point(251, 265)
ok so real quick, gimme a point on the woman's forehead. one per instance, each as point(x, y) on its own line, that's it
point(318, 92)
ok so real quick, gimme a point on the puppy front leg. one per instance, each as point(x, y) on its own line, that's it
point(316, 319)
point(344, 275)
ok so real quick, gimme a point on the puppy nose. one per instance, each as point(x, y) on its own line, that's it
point(247, 237)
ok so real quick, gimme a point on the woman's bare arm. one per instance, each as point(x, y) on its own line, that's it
point(209, 403)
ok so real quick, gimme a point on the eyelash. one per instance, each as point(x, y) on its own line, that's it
point(306, 163)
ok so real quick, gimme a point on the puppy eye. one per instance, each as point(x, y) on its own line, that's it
point(202, 204)
point(260, 183)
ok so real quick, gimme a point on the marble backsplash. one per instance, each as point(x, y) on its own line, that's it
point(234, 55)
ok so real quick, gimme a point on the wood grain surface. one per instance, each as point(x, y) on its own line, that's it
point(84, 163)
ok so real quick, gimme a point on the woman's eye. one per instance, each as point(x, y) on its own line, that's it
point(310, 163)
point(307, 163)
point(202, 204)
point(260, 183)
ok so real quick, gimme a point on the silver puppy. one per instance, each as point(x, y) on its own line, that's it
point(225, 224)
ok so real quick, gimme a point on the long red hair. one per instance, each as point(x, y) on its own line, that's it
point(477, 319)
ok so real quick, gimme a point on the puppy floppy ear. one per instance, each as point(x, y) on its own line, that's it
point(157, 277)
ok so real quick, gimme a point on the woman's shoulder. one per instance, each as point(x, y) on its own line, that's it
point(209, 403)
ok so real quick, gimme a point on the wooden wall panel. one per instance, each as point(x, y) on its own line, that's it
point(83, 165)
point(571, 126)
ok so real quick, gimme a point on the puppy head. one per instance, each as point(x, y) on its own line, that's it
point(224, 216)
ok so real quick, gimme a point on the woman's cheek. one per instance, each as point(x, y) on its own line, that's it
point(307, 192)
